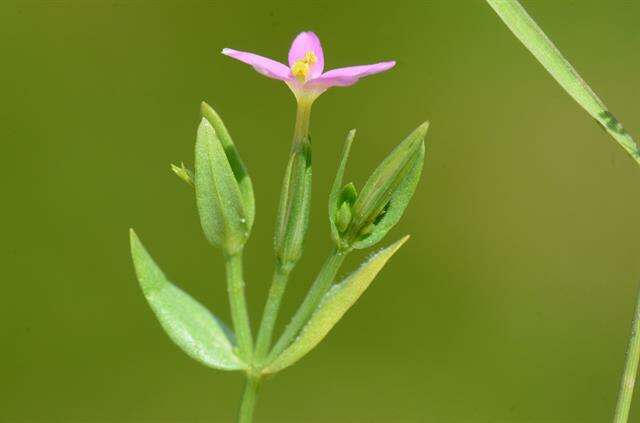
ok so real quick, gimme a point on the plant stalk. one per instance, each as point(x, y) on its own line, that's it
point(320, 286)
point(630, 370)
point(291, 225)
point(271, 309)
point(248, 401)
point(303, 119)
point(238, 305)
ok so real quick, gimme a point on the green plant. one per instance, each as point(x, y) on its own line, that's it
point(225, 203)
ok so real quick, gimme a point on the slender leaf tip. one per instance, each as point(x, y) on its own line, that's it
point(351, 135)
point(399, 243)
point(423, 128)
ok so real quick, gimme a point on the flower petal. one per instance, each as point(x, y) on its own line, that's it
point(343, 77)
point(263, 65)
point(305, 42)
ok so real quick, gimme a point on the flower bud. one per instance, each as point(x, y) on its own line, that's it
point(343, 217)
point(293, 211)
point(385, 196)
point(224, 194)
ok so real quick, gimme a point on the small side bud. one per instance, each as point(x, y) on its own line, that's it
point(340, 195)
point(343, 217)
point(183, 173)
point(348, 194)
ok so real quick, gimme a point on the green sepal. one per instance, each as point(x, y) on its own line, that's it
point(235, 161)
point(336, 302)
point(387, 192)
point(183, 173)
point(335, 195)
point(189, 324)
point(292, 220)
point(396, 206)
point(221, 206)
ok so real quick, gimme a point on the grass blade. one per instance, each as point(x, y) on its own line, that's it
point(536, 41)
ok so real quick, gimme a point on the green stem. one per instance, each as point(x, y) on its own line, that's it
point(303, 118)
point(270, 314)
point(238, 304)
point(248, 401)
point(320, 286)
point(630, 370)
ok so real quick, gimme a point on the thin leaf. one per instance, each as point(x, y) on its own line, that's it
point(334, 305)
point(334, 195)
point(190, 325)
point(536, 41)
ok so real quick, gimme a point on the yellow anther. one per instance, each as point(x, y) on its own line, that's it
point(300, 70)
point(310, 58)
point(301, 67)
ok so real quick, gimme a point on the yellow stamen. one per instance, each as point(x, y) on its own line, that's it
point(310, 58)
point(300, 68)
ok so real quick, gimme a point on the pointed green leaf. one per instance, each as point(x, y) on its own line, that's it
point(334, 305)
point(536, 41)
point(190, 325)
point(334, 195)
point(397, 204)
point(220, 204)
point(237, 166)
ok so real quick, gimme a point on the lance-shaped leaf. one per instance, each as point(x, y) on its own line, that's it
point(536, 41)
point(334, 195)
point(223, 215)
point(190, 325)
point(334, 305)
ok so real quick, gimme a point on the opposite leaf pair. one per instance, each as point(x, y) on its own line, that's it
point(206, 339)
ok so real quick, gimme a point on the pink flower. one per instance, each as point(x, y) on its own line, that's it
point(304, 75)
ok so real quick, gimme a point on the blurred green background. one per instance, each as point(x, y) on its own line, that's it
point(511, 303)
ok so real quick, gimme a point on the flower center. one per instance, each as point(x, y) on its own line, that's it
point(300, 68)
